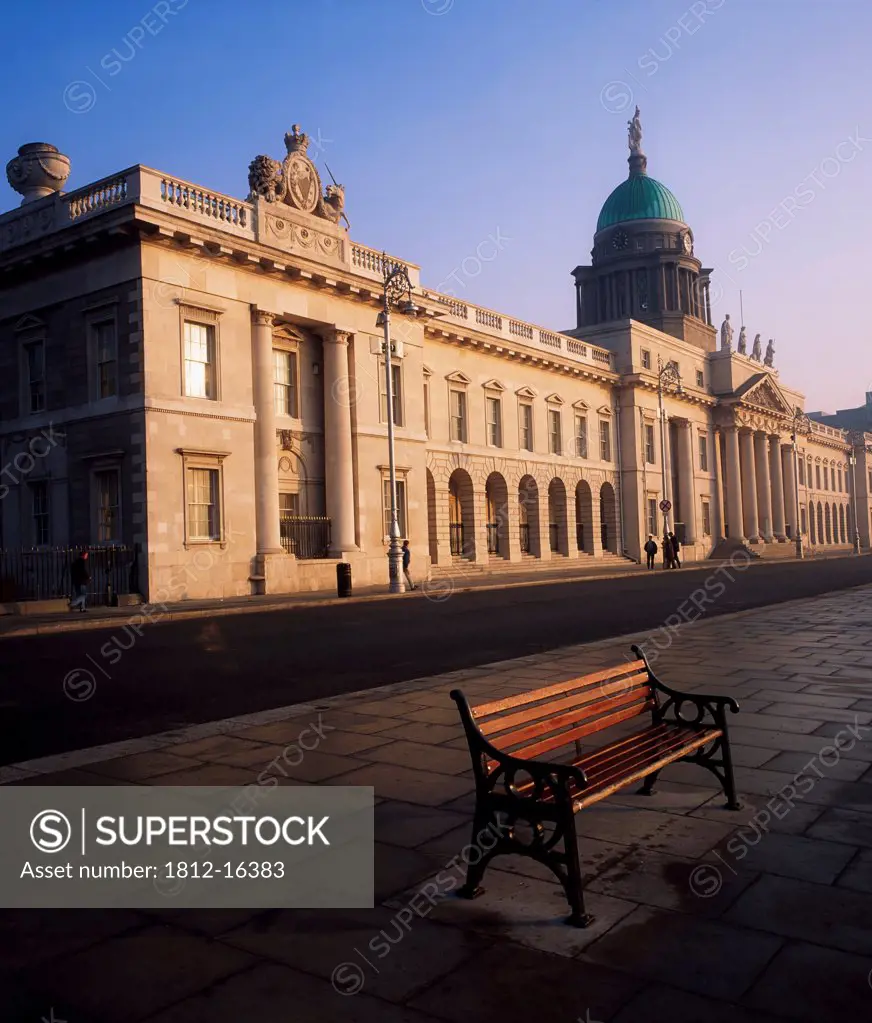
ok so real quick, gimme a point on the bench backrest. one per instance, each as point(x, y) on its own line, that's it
point(535, 723)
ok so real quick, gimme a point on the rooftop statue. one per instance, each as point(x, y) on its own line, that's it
point(757, 350)
point(726, 334)
point(743, 342)
point(770, 354)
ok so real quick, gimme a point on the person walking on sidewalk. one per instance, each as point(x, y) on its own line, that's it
point(668, 551)
point(80, 576)
point(407, 560)
point(676, 550)
point(651, 551)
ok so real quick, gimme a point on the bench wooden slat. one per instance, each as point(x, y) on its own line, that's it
point(588, 728)
point(641, 752)
point(594, 793)
point(557, 727)
point(553, 710)
point(483, 710)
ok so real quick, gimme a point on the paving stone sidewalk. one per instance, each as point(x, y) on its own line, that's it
point(701, 914)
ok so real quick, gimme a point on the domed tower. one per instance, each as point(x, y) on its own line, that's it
point(642, 262)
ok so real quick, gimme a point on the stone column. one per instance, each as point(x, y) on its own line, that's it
point(570, 539)
point(720, 530)
point(764, 486)
point(789, 480)
point(266, 465)
point(687, 499)
point(749, 486)
point(734, 484)
point(338, 464)
point(775, 476)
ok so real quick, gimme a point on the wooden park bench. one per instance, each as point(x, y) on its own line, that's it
point(515, 786)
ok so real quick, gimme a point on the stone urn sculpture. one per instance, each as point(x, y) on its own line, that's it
point(38, 171)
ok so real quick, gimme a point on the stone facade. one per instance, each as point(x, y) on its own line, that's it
point(204, 377)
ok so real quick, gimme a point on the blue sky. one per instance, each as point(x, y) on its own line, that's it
point(451, 122)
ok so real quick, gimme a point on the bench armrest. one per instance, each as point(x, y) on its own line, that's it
point(554, 776)
point(715, 705)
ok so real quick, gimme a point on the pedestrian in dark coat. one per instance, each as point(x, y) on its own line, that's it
point(676, 551)
point(668, 553)
point(651, 551)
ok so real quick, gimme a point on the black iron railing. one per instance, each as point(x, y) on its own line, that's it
point(305, 536)
point(525, 537)
point(43, 573)
point(554, 536)
point(493, 538)
point(456, 532)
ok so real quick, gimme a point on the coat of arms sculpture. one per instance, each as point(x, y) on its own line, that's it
point(295, 181)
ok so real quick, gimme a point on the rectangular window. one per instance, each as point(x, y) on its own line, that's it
point(396, 393)
point(458, 415)
point(581, 436)
point(108, 506)
point(801, 467)
point(870, 480)
point(652, 516)
point(700, 378)
point(40, 512)
point(289, 505)
point(427, 429)
point(494, 423)
point(832, 477)
point(555, 440)
point(703, 452)
point(526, 426)
point(817, 476)
point(401, 507)
point(200, 376)
point(802, 519)
point(285, 383)
point(706, 518)
point(646, 358)
point(203, 505)
point(35, 367)
point(105, 359)
point(605, 441)
point(649, 444)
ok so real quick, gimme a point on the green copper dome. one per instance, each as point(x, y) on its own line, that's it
point(639, 198)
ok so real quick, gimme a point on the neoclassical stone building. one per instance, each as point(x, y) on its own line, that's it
point(210, 374)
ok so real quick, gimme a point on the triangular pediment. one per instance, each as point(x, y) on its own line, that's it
point(581, 405)
point(28, 323)
point(526, 392)
point(604, 410)
point(762, 392)
point(458, 378)
point(493, 385)
point(554, 399)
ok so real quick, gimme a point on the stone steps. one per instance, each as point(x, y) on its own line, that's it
point(528, 563)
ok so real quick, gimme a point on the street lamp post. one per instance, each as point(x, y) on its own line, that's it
point(856, 439)
point(668, 373)
point(800, 424)
point(395, 285)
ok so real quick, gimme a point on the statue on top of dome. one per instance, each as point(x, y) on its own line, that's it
point(757, 350)
point(634, 133)
point(726, 334)
point(743, 342)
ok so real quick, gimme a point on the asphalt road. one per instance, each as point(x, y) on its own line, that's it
point(188, 672)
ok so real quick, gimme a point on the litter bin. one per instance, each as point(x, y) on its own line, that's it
point(343, 579)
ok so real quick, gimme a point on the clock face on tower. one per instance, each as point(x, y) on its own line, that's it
point(620, 240)
point(687, 241)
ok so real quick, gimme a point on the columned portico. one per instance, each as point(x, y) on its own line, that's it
point(338, 464)
point(764, 485)
point(266, 468)
point(777, 478)
point(686, 499)
point(734, 484)
point(749, 486)
point(788, 470)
